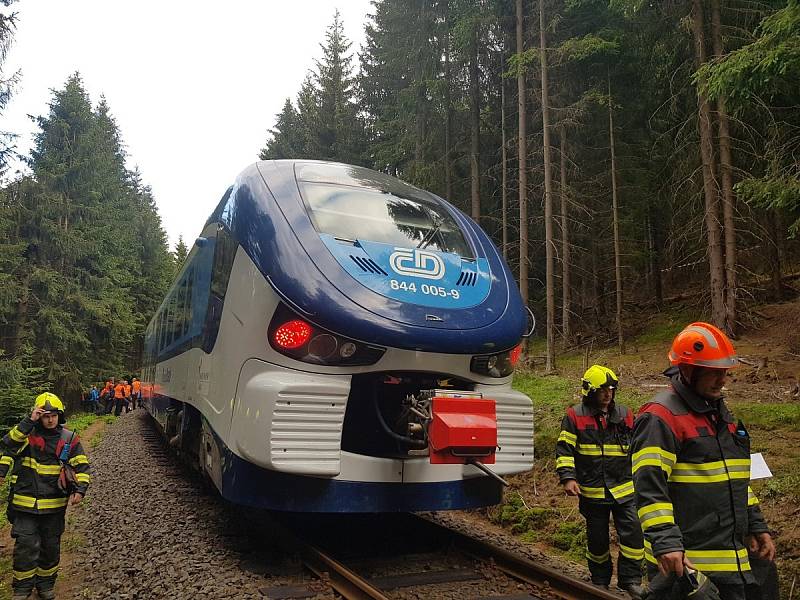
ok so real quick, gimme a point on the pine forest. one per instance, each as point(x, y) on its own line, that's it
point(622, 154)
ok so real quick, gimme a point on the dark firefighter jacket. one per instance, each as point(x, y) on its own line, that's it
point(691, 471)
point(31, 455)
point(593, 450)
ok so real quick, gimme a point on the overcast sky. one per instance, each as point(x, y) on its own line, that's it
point(193, 86)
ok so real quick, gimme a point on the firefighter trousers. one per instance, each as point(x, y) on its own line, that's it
point(629, 532)
point(37, 549)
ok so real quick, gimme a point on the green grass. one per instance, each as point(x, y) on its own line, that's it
point(769, 416)
point(542, 524)
point(80, 421)
point(663, 327)
point(96, 439)
point(73, 541)
point(3, 500)
point(780, 486)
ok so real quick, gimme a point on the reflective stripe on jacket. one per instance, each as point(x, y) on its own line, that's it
point(32, 452)
point(593, 450)
point(691, 471)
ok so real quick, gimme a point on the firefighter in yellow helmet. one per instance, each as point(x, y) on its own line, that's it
point(49, 470)
point(592, 463)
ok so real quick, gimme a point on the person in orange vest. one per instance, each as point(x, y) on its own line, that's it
point(128, 391)
point(137, 392)
point(119, 398)
point(107, 396)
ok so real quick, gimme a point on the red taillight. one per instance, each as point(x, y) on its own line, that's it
point(292, 334)
point(515, 354)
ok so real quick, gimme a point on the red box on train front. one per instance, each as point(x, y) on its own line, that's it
point(462, 428)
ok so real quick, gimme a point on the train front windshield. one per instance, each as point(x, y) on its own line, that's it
point(354, 213)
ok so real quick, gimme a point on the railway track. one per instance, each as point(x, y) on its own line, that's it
point(448, 568)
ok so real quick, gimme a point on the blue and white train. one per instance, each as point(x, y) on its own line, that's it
point(340, 341)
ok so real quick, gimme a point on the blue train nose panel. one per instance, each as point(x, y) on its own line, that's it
point(414, 275)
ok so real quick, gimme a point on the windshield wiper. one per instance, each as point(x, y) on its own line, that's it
point(425, 242)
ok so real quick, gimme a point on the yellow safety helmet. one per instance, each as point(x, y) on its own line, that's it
point(49, 402)
point(598, 376)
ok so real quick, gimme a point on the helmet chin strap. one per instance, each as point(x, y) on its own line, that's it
point(686, 372)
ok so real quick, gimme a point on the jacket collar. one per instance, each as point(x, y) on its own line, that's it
point(614, 415)
point(41, 430)
point(695, 402)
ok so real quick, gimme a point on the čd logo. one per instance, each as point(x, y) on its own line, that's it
point(417, 263)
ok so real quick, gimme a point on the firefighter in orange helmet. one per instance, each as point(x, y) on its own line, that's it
point(691, 470)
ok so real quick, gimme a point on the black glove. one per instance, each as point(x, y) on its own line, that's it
point(697, 586)
point(692, 585)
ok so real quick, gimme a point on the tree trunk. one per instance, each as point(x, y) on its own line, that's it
point(21, 320)
point(772, 243)
point(448, 126)
point(726, 172)
point(715, 258)
point(654, 259)
point(615, 217)
point(522, 159)
point(475, 120)
point(548, 200)
point(566, 293)
point(422, 93)
point(504, 161)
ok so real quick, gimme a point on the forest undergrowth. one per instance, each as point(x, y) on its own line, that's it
point(764, 393)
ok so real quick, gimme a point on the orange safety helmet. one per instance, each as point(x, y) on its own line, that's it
point(703, 345)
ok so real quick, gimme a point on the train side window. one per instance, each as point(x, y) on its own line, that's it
point(161, 320)
point(173, 317)
point(180, 308)
point(187, 314)
point(224, 252)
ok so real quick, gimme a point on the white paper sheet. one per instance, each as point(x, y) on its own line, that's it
point(758, 467)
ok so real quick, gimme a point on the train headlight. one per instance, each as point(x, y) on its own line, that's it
point(496, 365)
point(347, 350)
point(297, 338)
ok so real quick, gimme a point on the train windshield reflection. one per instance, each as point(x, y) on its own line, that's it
point(358, 213)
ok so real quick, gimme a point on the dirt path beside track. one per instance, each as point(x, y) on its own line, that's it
point(149, 531)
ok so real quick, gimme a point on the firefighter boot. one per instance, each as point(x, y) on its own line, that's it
point(47, 594)
point(634, 590)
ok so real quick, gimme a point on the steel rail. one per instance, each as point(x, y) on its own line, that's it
point(351, 586)
point(523, 568)
point(345, 581)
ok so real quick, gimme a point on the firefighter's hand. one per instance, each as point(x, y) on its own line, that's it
point(36, 413)
point(571, 487)
point(673, 562)
point(75, 499)
point(761, 544)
